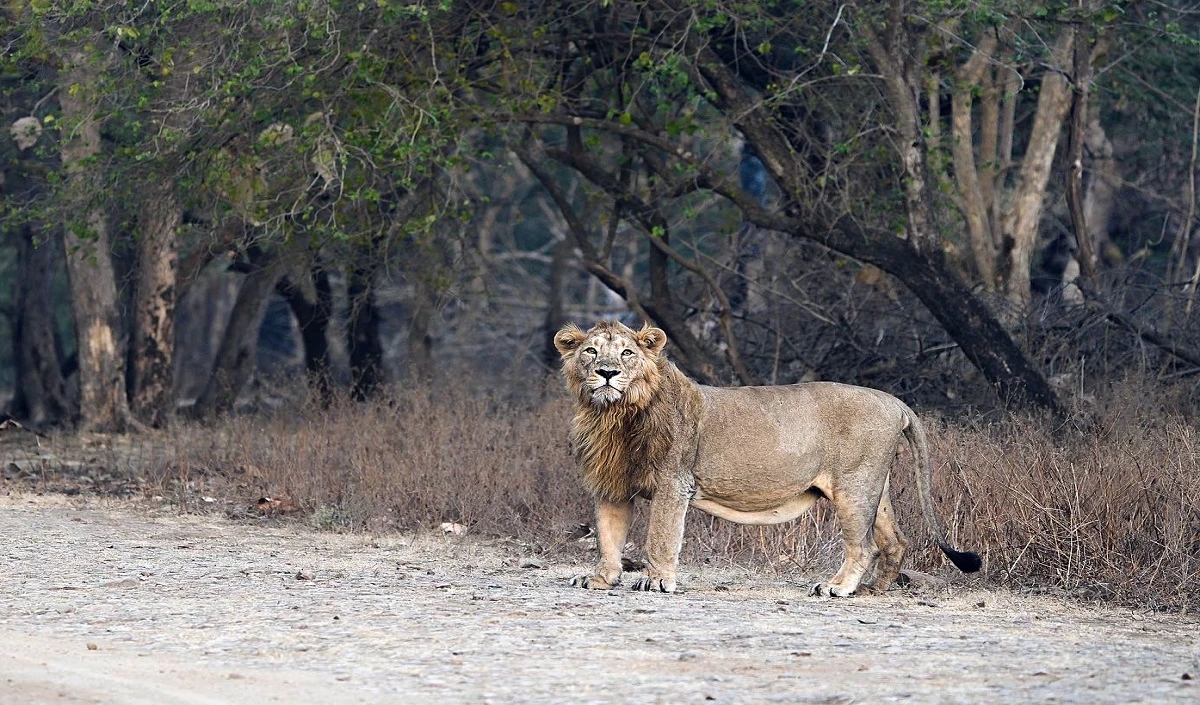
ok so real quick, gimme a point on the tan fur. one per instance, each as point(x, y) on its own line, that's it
point(753, 455)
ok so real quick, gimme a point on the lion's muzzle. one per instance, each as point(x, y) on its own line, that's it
point(606, 391)
point(605, 394)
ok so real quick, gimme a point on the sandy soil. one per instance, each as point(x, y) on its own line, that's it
point(110, 602)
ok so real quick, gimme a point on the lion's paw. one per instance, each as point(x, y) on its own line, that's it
point(829, 590)
point(645, 584)
point(593, 582)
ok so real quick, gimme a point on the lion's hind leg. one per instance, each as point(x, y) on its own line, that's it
point(857, 507)
point(891, 543)
point(860, 556)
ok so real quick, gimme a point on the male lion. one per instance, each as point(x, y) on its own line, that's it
point(752, 455)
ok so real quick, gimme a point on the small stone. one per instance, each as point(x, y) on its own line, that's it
point(126, 583)
point(531, 563)
point(453, 528)
point(1186, 676)
point(304, 575)
point(92, 647)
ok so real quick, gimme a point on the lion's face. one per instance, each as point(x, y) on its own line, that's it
point(611, 363)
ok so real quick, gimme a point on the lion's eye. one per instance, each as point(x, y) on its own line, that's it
point(589, 351)
point(626, 353)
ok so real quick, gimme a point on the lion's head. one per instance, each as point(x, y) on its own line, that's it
point(611, 364)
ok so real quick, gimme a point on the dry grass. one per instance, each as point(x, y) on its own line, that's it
point(1109, 511)
point(413, 460)
point(1107, 507)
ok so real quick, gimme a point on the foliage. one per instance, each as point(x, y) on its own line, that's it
point(380, 137)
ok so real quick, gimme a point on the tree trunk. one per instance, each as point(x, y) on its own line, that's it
point(1008, 82)
point(40, 393)
point(102, 402)
point(981, 337)
point(1084, 259)
point(420, 339)
point(902, 85)
point(313, 318)
point(236, 358)
point(153, 350)
point(555, 316)
point(1021, 224)
point(970, 182)
point(366, 349)
point(1101, 193)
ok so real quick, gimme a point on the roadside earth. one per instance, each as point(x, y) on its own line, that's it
point(109, 601)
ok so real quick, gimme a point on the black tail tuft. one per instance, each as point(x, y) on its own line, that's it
point(966, 561)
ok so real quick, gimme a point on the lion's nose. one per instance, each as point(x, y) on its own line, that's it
point(608, 374)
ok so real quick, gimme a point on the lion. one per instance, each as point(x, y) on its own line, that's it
point(750, 455)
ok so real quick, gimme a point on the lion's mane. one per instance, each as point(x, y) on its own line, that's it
point(620, 446)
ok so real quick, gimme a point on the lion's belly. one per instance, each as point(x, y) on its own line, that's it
point(753, 477)
point(754, 484)
point(773, 515)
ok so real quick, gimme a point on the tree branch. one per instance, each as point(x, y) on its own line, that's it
point(654, 226)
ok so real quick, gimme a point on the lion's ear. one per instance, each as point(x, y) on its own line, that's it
point(567, 339)
point(652, 340)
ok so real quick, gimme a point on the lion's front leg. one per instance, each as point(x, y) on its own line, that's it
point(663, 542)
point(612, 526)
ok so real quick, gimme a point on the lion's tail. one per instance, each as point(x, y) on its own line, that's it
point(966, 561)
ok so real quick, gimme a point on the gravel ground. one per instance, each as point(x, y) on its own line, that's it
point(113, 602)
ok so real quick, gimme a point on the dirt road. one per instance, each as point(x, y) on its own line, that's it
point(116, 603)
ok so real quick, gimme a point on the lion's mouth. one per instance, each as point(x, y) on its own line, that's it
point(606, 393)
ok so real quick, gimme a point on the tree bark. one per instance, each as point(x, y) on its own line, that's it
point(102, 402)
point(1082, 76)
point(1007, 82)
point(966, 174)
point(313, 318)
point(1101, 193)
point(236, 358)
point(40, 394)
point(420, 337)
point(555, 316)
point(151, 391)
point(366, 349)
point(902, 85)
point(1020, 227)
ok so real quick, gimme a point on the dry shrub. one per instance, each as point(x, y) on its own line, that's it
point(1106, 506)
point(419, 457)
point(1111, 510)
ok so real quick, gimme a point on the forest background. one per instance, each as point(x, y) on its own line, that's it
point(317, 249)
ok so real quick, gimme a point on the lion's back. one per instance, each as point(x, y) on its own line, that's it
point(794, 429)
